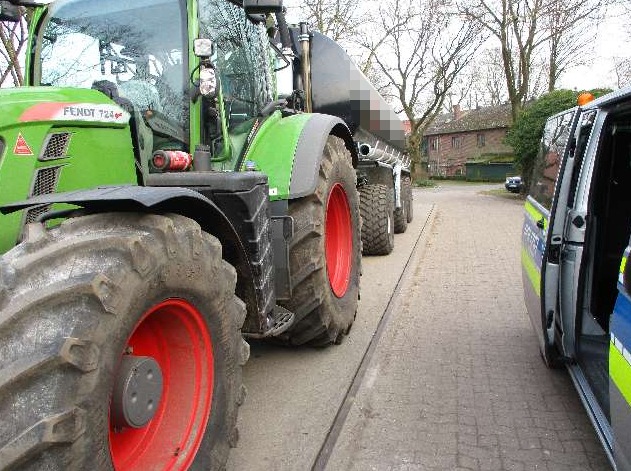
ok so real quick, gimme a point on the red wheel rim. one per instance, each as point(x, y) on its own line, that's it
point(174, 334)
point(338, 240)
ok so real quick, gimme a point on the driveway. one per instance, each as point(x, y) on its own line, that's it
point(441, 370)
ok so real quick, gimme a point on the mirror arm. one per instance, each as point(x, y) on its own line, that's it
point(283, 29)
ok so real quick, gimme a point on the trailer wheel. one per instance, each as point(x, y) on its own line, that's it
point(401, 215)
point(377, 219)
point(120, 345)
point(325, 253)
point(408, 198)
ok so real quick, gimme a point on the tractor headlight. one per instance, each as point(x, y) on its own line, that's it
point(207, 81)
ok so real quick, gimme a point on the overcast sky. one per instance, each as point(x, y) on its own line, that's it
point(612, 41)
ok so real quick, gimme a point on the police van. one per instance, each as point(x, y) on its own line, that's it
point(575, 244)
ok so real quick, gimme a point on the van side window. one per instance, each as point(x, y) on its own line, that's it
point(555, 137)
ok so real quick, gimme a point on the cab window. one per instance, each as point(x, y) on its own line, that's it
point(242, 58)
point(121, 49)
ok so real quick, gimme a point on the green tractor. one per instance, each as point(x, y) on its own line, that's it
point(172, 180)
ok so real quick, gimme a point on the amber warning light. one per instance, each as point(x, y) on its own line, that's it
point(584, 98)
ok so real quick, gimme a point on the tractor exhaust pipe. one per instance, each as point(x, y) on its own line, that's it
point(305, 43)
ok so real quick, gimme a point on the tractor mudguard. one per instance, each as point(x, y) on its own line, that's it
point(177, 200)
point(304, 175)
point(170, 199)
point(114, 198)
point(289, 149)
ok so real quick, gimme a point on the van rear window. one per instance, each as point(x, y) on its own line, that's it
point(555, 137)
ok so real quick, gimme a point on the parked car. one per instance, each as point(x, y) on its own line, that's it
point(513, 184)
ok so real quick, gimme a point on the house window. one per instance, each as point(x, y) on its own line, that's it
point(456, 142)
point(435, 141)
point(481, 141)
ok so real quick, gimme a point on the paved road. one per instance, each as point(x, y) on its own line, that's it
point(453, 379)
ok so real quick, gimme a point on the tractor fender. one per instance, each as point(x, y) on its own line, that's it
point(128, 198)
point(176, 200)
point(288, 150)
point(308, 154)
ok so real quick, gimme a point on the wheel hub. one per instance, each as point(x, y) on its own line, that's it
point(137, 392)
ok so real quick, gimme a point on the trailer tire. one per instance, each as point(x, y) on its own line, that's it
point(78, 302)
point(401, 216)
point(408, 198)
point(325, 253)
point(377, 214)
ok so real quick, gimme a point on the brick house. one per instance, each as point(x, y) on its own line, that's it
point(466, 135)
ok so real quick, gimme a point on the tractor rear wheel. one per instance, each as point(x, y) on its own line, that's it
point(325, 253)
point(377, 212)
point(121, 347)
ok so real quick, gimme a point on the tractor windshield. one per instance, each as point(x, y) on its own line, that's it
point(136, 49)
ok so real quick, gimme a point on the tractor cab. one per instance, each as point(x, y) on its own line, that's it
point(147, 65)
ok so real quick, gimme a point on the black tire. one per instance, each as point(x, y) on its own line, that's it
point(322, 316)
point(377, 212)
point(406, 190)
point(70, 299)
point(401, 214)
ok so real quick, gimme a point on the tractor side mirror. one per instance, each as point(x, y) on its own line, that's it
point(256, 7)
point(10, 12)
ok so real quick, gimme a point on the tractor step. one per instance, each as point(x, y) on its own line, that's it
point(278, 322)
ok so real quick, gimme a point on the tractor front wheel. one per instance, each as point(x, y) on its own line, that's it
point(120, 345)
point(325, 253)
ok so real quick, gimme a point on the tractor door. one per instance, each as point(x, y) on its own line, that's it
point(242, 60)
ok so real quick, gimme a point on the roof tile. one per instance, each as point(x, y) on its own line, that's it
point(490, 117)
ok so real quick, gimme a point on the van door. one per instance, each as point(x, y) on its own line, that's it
point(542, 234)
point(620, 367)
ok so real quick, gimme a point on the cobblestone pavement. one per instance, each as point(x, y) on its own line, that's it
point(457, 382)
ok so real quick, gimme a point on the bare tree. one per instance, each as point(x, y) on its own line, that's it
point(570, 26)
point(481, 83)
point(622, 69)
point(340, 20)
point(420, 47)
point(518, 27)
point(13, 38)
point(536, 36)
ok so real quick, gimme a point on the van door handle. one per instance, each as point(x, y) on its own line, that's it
point(541, 223)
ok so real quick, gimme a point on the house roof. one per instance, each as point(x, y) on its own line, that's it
point(490, 117)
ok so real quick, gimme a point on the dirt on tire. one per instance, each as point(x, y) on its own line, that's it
point(69, 299)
